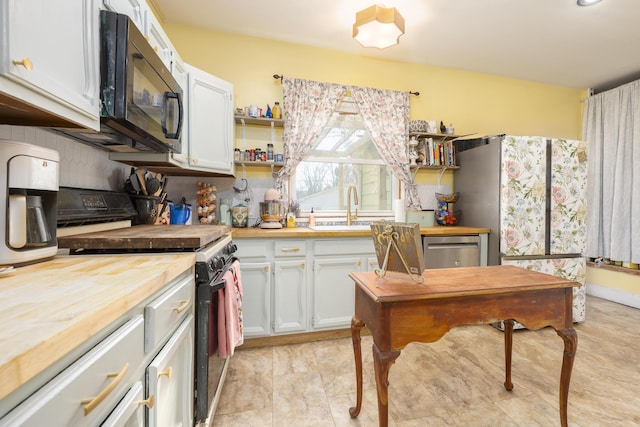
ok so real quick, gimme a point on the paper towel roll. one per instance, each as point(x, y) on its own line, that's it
point(399, 210)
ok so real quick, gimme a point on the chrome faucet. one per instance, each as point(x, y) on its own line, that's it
point(355, 202)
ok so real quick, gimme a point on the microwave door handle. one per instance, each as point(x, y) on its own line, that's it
point(180, 114)
point(163, 121)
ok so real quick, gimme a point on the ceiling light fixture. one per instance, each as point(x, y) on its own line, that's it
point(378, 26)
point(587, 2)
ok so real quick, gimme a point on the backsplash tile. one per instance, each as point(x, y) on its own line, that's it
point(80, 165)
point(84, 166)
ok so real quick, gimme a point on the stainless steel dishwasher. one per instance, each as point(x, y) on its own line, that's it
point(451, 251)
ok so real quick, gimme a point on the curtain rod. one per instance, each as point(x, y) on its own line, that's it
point(280, 76)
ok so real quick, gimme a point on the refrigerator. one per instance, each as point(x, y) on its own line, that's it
point(531, 192)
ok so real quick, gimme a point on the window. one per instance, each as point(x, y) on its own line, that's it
point(343, 155)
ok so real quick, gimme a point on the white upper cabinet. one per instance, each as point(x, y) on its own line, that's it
point(142, 16)
point(158, 39)
point(134, 9)
point(181, 74)
point(208, 130)
point(49, 58)
point(210, 122)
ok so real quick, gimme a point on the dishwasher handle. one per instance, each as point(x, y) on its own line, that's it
point(435, 246)
point(450, 240)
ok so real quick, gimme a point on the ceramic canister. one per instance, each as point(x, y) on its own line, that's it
point(239, 215)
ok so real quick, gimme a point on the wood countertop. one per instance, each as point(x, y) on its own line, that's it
point(305, 232)
point(50, 308)
point(147, 237)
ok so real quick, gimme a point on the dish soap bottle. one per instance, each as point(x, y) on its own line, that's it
point(276, 112)
point(312, 218)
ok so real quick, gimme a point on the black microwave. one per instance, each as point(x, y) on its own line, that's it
point(139, 97)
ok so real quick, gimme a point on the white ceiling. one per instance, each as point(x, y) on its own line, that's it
point(548, 41)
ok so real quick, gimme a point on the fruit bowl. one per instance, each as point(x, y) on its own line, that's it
point(448, 198)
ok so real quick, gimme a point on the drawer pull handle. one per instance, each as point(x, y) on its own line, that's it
point(290, 250)
point(359, 263)
point(26, 63)
point(266, 268)
point(166, 373)
point(302, 265)
point(183, 305)
point(147, 402)
point(91, 403)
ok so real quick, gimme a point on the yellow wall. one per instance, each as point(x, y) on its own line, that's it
point(473, 102)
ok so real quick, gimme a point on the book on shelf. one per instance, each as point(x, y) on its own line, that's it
point(439, 153)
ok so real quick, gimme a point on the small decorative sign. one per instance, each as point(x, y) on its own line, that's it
point(398, 248)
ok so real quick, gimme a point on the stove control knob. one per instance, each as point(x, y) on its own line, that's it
point(230, 248)
point(216, 263)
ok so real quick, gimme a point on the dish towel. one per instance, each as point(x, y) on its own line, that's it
point(230, 326)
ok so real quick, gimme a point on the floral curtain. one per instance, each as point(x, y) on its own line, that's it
point(385, 114)
point(308, 107)
point(611, 127)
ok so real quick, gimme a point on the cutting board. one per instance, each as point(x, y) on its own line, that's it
point(147, 237)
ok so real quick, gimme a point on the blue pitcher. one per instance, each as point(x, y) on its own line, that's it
point(179, 213)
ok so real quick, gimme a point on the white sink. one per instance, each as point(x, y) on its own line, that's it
point(340, 227)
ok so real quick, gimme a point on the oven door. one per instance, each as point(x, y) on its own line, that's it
point(140, 98)
point(210, 369)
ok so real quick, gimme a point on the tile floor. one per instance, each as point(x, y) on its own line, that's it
point(456, 381)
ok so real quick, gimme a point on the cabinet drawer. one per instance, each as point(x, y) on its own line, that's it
point(165, 312)
point(343, 246)
point(251, 248)
point(90, 388)
point(289, 248)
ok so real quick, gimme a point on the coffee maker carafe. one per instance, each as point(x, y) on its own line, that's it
point(28, 199)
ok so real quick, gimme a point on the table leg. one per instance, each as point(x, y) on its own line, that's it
point(508, 346)
point(570, 338)
point(356, 326)
point(382, 361)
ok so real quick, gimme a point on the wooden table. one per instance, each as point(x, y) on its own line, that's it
point(400, 311)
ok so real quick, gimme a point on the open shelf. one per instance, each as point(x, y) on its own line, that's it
point(258, 164)
point(434, 167)
point(259, 121)
point(445, 136)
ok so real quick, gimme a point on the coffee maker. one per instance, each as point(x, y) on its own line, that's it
point(28, 202)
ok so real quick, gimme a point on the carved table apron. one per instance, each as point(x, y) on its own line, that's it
point(401, 311)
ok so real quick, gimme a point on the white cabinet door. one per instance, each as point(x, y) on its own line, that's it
point(157, 38)
point(211, 126)
point(170, 380)
point(333, 291)
point(256, 303)
point(134, 9)
point(181, 74)
point(130, 410)
point(49, 56)
point(290, 296)
point(372, 263)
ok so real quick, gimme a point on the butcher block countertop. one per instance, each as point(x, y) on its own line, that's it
point(48, 309)
point(240, 233)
